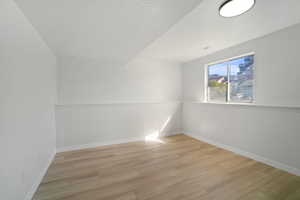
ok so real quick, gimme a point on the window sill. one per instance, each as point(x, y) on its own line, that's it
point(229, 103)
point(245, 104)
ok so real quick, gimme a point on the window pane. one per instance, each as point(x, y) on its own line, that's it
point(217, 82)
point(241, 79)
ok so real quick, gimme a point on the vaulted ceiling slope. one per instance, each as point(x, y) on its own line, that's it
point(103, 29)
point(203, 31)
point(175, 30)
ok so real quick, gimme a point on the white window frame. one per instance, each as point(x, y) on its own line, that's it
point(206, 95)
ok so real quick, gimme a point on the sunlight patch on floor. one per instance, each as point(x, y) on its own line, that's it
point(154, 137)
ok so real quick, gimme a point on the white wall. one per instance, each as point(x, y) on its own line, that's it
point(270, 132)
point(87, 81)
point(114, 123)
point(27, 98)
point(276, 68)
point(105, 102)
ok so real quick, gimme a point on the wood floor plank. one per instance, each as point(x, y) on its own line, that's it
point(178, 167)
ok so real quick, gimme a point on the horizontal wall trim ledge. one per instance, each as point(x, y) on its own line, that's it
point(119, 102)
point(100, 144)
point(244, 104)
point(253, 156)
point(33, 189)
point(191, 102)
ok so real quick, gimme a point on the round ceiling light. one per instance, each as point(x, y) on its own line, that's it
point(232, 8)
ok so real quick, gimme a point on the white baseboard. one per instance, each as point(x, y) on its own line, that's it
point(40, 177)
point(100, 144)
point(253, 156)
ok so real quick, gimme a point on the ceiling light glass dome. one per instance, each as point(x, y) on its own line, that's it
point(232, 8)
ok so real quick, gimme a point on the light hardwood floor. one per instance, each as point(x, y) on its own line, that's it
point(179, 168)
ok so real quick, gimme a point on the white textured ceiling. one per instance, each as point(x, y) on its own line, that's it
point(104, 29)
point(176, 30)
point(203, 31)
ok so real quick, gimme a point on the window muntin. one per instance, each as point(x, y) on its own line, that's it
point(231, 81)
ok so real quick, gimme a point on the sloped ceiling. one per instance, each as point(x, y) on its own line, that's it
point(175, 30)
point(203, 31)
point(103, 29)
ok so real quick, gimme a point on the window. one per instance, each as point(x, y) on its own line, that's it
point(231, 80)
